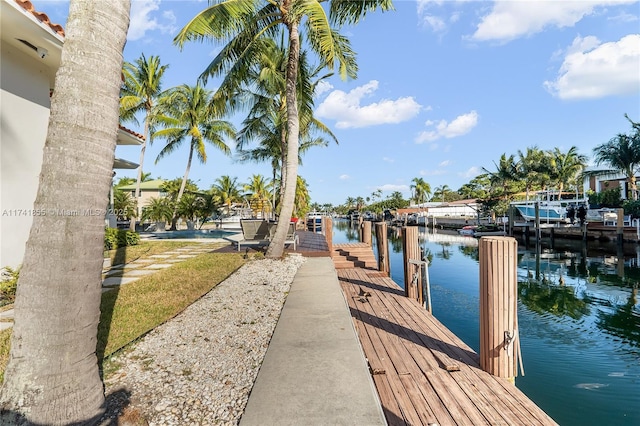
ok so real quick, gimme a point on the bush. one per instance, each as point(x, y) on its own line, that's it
point(632, 208)
point(608, 198)
point(114, 238)
point(8, 284)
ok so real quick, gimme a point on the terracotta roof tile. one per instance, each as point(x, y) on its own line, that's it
point(136, 134)
point(42, 17)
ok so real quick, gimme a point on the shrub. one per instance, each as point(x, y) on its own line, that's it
point(632, 207)
point(114, 238)
point(8, 284)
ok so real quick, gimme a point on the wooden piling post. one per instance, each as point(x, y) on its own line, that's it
point(620, 226)
point(499, 342)
point(366, 232)
point(327, 227)
point(537, 225)
point(411, 250)
point(383, 247)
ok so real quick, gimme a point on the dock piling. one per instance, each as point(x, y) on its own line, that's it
point(383, 247)
point(412, 272)
point(499, 342)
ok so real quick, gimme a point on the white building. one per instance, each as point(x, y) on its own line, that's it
point(31, 49)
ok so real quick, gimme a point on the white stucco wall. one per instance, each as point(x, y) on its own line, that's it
point(24, 116)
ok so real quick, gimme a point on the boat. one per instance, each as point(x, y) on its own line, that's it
point(314, 221)
point(468, 230)
point(481, 230)
point(551, 207)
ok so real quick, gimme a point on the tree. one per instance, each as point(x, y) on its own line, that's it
point(505, 178)
point(186, 112)
point(244, 23)
point(302, 199)
point(52, 376)
point(258, 193)
point(441, 192)
point(622, 153)
point(532, 169)
point(141, 88)
point(227, 191)
point(566, 167)
point(421, 190)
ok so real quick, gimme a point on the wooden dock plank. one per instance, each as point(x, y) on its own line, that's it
point(414, 349)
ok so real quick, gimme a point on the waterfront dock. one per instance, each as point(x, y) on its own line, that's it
point(423, 373)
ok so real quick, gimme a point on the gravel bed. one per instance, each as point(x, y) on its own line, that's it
point(199, 367)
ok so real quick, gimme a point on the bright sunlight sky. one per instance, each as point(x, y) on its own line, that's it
point(444, 88)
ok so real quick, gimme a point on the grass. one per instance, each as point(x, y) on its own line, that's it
point(142, 250)
point(131, 311)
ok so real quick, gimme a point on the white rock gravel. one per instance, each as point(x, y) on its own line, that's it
point(199, 368)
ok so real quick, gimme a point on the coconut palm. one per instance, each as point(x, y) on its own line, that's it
point(622, 153)
point(532, 168)
point(266, 122)
point(227, 190)
point(242, 24)
point(186, 112)
point(505, 178)
point(302, 198)
point(566, 166)
point(441, 191)
point(257, 190)
point(141, 89)
point(52, 375)
point(421, 190)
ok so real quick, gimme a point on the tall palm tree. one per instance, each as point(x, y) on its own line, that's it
point(141, 89)
point(442, 191)
point(227, 190)
point(566, 167)
point(421, 190)
point(244, 23)
point(505, 176)
point(266, 122)
point(302, 198)
point(622, 153)
point(186, 112)
point(52, 376)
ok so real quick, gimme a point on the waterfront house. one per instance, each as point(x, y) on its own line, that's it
point(31, 51)
point(598, 179)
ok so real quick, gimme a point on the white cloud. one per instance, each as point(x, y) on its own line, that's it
point(390, 187)
point(433, 17)
point(510, 19)
point(445, 163)
point(346, 108)
point(432, 172)
point(471, 172)
point(388, 160)
point(322, 87)
point(459, 126)
point(142, 19)
point(344, 177)
point(594, 70)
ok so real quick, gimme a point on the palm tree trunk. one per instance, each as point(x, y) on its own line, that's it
point(174, 221)
point(52, 377)
point(276, 247)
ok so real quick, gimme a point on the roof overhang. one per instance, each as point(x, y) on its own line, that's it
point(126, 137)
point(119, 163)
point(39, 40)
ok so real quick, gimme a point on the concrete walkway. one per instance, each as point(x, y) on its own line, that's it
point(314, 371)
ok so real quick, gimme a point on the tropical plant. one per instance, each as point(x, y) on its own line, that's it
point(158, 209)
point(243, 24)
point(505, 180)
point(421, 190)
point(192, 207)
point(227, 191)
point(123, 205)
point(141, 88)
point(441, 192)
point(302, 199)
point(57, 305)
point(532, 168)
point(566, 167)
point(622, 153)
point(257, 191)
point(186, 112)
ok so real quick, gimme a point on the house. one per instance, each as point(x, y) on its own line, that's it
point(31, 50)
point(599, 179)
point(148, 190)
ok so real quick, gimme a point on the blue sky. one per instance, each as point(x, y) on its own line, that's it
point(444, 88)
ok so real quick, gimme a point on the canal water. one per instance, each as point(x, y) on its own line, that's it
point(579, 317)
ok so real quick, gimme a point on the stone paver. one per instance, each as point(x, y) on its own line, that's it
point(140, 272)
point(159, 266)
point(115, 281)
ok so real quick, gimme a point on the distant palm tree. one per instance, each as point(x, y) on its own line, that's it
point(532, 168)
point(257, 190)
point(302, 199)
point(622, 153)
point(186, 112)
point(566, 166)
point(350, 202)
point(421, 190)
point(227, 190)
point(505, 176)
point(140, 91)
point(243, 24)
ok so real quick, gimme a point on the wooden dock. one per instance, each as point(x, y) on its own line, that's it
point(424, 374)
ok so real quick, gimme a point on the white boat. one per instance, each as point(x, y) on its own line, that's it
point(551, 207)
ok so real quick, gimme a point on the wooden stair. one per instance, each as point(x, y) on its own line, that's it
point(354, 255)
